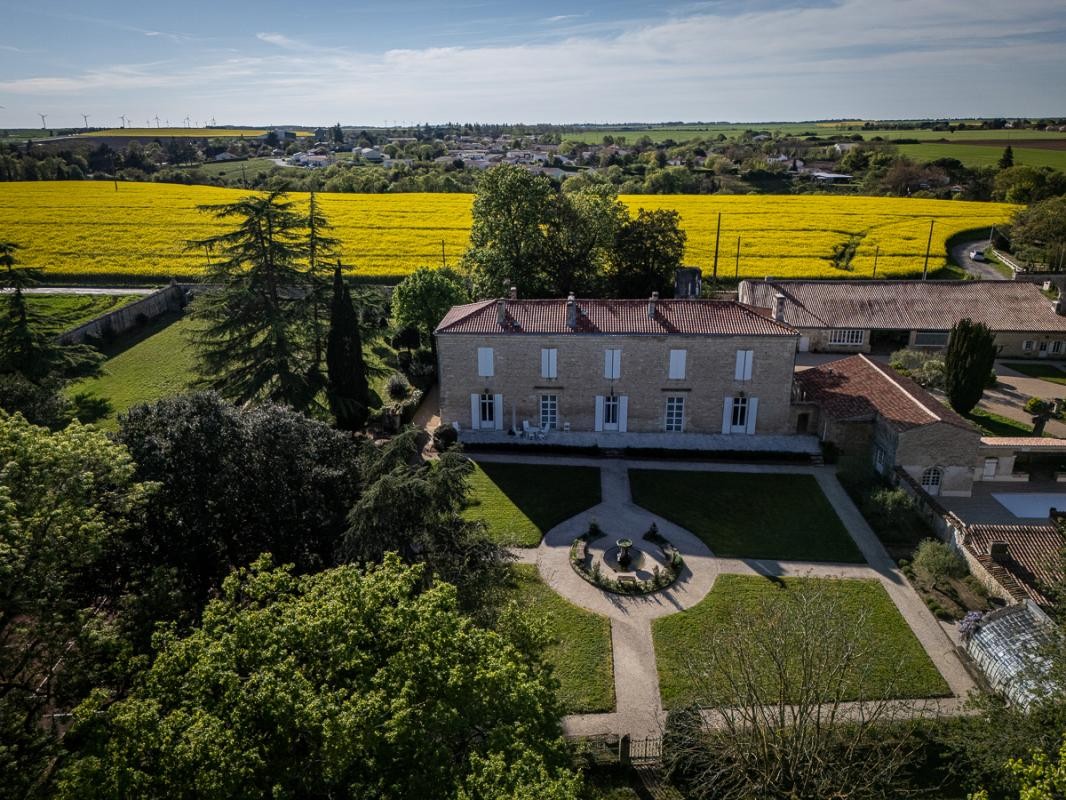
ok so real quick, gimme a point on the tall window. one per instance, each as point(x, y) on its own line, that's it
point(740, 412)
point(675, 414)
point(612, 364)
point(485, 366)
point(879, 458)
point(610, 412)
point(1056, 347)
point(1027, 345)
point(847, 336)
point(549, 411)
point(488, 411)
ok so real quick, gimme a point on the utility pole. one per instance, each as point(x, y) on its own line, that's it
point(717, 235)
point(443, 259)
point(877, 252)
point(737, 273)
point(928, 246)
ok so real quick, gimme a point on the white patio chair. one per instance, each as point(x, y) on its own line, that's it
point(544, 429)
point(527, 430)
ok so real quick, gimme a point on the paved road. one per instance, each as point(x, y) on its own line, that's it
point(638, 709)
point(980, 269)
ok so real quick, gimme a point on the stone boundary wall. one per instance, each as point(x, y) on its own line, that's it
point(131, 315)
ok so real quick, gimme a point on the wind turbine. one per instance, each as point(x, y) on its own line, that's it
point(212, 120)
point(186, 120)
point(44, 125)
point(124, 119)
point(85, 119)
point(157, 120)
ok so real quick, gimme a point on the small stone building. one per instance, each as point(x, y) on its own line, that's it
point(853, 316)
point(867, 409)
point(635, 367)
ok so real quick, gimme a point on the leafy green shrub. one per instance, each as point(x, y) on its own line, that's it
point(891, 508)
point(923, 368)
point(398, 387)
point(444, 436)
point(937, 562)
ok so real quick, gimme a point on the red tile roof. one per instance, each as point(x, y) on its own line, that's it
point(856, 388)
point(691, 317)
point(908, 305)
point(1022, 442)
point(1031, 562)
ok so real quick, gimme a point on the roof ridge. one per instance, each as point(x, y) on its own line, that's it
point(896, 383)
point(473, 308)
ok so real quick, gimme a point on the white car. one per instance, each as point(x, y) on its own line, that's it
point(977, 255)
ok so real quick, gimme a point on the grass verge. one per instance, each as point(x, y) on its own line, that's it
point(1045, 372)
point(521, 502)
point(997, 425)
point(580, 651)
point(899, 667)
point(747, 515)
point(71, 310)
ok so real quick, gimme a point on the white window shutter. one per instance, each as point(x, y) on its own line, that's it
point(485, 367)
point(753, 410)
point(475, 412)
point(748, 357)
point(738, 373)
point(497, 407)
point(727, 415)
point(553, 363)
point(677, 364)
point(608, 364)
point(617, 372)
point(545, 363)
point(623, 412)
point(599, 412)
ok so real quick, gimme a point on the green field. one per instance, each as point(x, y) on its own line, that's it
point(748, 515)
point(71, 310)
point(973, 155)
point(580, 649)
point(159, 365)
point(519, 503)
point(235, 169)
point(899, 666)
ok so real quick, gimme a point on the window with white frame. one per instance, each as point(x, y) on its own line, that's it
point(740, 412)
point(931, 338)
point(1056, 347)
point(1027, 345)
point(677, 364)
point(610, 412)
point(931, 480)
point(488, 411)
point(743, 367)
point(847, 336)
point(549, 411)
point(675, 414)
point(549, 362)
point(485, 366)
point(612, 364)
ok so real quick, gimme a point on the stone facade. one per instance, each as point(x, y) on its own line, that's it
point(1012, 345)
point(709, 378)
point(946, 447)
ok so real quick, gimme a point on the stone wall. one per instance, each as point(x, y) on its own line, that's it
point(948, 447)
point(131, 315)
point(709, 378)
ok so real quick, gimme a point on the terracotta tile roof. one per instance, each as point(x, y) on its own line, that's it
point(856, 388)
point(1014, 442)
point(613, 317)
point(908, 305)
point(1030, 565)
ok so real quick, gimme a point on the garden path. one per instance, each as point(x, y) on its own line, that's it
point(639, 711)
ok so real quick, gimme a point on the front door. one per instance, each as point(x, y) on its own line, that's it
point(739, 422)
point(488, 412)
point(610, 412)
point(1043, 350)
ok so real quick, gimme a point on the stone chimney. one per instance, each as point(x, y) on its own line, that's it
point(514, 293)
point(779, 307)
point(501, 312)
point(999, 552)
point(651, 305)
point(571, 311)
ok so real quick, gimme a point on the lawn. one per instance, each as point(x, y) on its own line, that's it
point(997, 425)
point(521, 502)
point(900, 667)
point(748, 515)
point(1045, 372)
point(159, 365)
point(580, 652)
point(71, 310)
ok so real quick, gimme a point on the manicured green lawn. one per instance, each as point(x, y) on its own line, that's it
point(1045, 372)
point(899, 668)
point(998, 425)
point(580, 652)
point(521, 502)
point(160, 365)
point(71, 310)
point(748, 515)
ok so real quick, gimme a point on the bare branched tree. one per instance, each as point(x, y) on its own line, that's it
point(794, 703)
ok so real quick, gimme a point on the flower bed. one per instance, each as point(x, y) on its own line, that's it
point(661, 577)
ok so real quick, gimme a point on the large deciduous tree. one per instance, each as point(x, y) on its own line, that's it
point(580, 237)
point(34, 367)
point(421, 300)
point(968, 362)
point(1038, 232)
point(65, 498)
point(647, 251)
point(346, 683)
point(349, 391)
point(259, 340)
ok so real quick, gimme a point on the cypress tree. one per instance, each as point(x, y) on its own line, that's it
point(1007, 159)
point(349, 392)
point(968, 363)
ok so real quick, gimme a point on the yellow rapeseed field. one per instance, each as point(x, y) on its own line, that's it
point(83, 228)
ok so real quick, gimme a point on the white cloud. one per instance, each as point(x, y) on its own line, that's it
point(281, 40)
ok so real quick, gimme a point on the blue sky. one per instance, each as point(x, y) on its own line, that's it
point(271, 62)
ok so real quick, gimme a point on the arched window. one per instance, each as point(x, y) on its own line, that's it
point(931, 480)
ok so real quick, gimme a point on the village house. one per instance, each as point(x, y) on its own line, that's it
point(672, 370)
point(849, 316)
